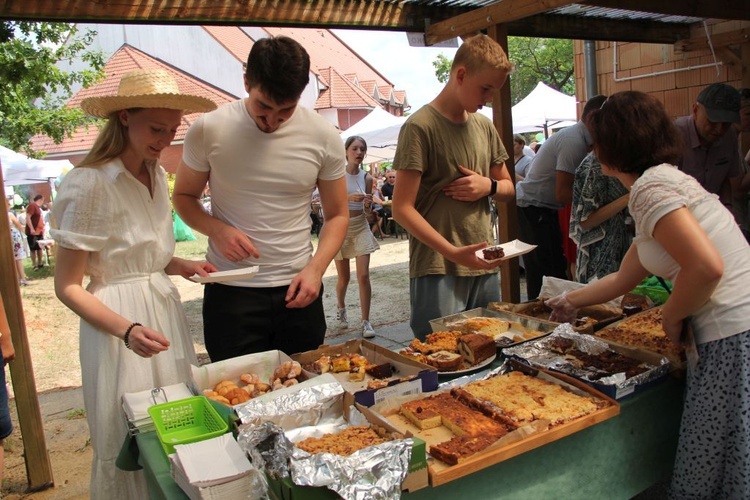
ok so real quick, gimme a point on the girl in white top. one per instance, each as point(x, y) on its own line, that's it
point(115, 225)
point(684, 234)
point(359, 242)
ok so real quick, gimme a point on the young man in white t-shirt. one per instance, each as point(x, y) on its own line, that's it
point(263, 156)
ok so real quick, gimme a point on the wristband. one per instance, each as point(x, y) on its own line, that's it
point(126, 337)
point(493, 187)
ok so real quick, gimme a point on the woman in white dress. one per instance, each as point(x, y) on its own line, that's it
point(115, 225)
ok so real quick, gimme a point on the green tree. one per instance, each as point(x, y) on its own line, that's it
point(548, 60)
point(34, 88)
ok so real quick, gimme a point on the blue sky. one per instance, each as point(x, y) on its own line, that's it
point(408, 68)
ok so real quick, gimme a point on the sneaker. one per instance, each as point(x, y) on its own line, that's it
point(342, 319)
point(23, 282)
point(368, 331)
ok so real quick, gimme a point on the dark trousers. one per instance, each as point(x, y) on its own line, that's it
point(240, 320)
point(539, 226)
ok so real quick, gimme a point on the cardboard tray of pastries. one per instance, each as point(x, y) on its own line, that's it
point(616, 371)
point(507, 328)
point(370, 372)
point(484, 422)
point(644, 331)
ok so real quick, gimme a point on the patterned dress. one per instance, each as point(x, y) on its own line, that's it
point(601, 248)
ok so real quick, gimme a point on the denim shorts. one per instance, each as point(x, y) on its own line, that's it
point(6, 426)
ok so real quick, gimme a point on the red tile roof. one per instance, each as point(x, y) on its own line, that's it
point(126, 59)
point(326, 49)
point(343, 93)
point(237, 42)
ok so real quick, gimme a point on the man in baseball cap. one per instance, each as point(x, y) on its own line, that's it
point(710, 147)
point(721, 102)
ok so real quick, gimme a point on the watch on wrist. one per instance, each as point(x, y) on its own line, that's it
point(493, 187)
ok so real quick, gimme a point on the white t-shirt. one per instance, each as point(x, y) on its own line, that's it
point(664, 189)
point(262, 183)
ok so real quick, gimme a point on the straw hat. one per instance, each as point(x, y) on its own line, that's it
point(146, 88)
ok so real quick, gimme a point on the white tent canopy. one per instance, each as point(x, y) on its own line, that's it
point(19, 169)
point(544, 108)
point(380, 130)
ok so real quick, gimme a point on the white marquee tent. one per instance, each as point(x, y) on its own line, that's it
point(543, 109)
point(19, 169)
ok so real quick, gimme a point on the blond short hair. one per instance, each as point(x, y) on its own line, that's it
point(482, 52)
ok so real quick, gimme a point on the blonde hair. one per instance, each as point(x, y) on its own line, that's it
point(110, 143)
point(481, 52)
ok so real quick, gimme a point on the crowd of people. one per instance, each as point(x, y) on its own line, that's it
point(683, 183)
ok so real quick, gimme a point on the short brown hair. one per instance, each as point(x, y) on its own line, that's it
point(481, 52)
point(632, 133)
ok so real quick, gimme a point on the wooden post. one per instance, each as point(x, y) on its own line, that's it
point(510, 280)
point(38, 465)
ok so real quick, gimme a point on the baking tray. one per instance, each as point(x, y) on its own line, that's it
point(527, 322)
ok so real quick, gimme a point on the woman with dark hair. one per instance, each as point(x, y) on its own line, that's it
point(359, 242)
point(684, 234)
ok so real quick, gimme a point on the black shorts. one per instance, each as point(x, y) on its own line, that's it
point(242, 320)
point(33, 240)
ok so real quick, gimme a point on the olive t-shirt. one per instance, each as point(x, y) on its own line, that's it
point(435, 146)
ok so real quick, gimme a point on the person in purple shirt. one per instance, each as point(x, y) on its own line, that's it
point(710, 147)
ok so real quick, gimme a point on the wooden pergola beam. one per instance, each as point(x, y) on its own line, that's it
point(501, 12)
point(385, 15)
point(38, 465)
point(736, 37)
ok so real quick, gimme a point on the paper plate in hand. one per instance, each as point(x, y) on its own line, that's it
point(511, 249)
point(221, 276)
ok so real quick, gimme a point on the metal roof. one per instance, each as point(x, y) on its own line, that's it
point(657, 21)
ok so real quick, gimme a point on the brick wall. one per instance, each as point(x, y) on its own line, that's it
point(676, 89)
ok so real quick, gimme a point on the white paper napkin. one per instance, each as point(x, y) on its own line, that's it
point(136, 404)
point(213, 461)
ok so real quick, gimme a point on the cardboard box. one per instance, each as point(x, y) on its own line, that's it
point(659, 373)
point(262, 364)
point(417, 478)
point(527, 323)
point(422, 378)
point(526, 438)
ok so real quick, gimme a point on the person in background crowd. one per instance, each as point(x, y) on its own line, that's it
point(710, 147)
point(684, 234)
point(35, 231)
point(115, 225)
point(450, 160)
point(263, 156)
point(390, 183)
point(522, 161)
point(19, 250)
point(548, 187)
point(740, 199)
point(359, 242)
point(597, 221)
point(8, 353)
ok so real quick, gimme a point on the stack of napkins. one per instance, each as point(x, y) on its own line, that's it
point(136, 404)
point(215, 469)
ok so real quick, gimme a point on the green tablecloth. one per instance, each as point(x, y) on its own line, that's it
point(615, 459)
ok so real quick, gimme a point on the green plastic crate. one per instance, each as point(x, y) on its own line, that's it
point(186, 421)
